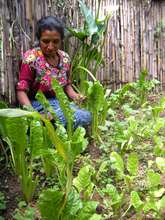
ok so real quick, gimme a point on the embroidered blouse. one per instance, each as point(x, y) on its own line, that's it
point(36, 73)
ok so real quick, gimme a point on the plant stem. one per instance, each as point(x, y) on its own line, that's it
point(126, 210)
point(68, 187)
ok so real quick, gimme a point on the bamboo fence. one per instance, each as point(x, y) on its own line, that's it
point(135, 38)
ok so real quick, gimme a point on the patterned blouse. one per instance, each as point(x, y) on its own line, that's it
point(36, 73)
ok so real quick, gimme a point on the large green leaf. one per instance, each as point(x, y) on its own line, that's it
point(96, 96)
point(150, 205)
point(160, 162)
point(46, 105)
point(36, 138)
point(158, 193)
point(14, 113)
point(161, 203)
point(132, 164)
point(50, 204)
point(153, 178)
point(62, 147)
point(78, 142)
point(90, 24)
point(28, 185)
point(94, 54)
point(112, 192)
point(88, 210)
point(136, 201)
point(15, 129)
point(64, 104)
point(83, 181)
point(79, 33)
point(73, 205)
point(117, 162)
point(96, 217)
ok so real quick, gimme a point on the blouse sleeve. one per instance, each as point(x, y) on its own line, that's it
point(25, 78)
point(69, 81)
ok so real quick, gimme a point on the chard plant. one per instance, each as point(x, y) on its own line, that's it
point(83, 182)
point(24, 212)
point(14, 127)
point(65, 106)
point(91, 41)
point(135, 93)
point(117, 164)
point(154, 201)
point(96, 102)
point(144, 86)
point(65, 196)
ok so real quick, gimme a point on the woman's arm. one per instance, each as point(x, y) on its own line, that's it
point(71, 93)
point(23, 98)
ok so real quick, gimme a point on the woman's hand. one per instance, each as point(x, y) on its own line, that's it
point(79, 99)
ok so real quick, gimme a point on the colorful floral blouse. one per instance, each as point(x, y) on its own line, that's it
point(36, 72)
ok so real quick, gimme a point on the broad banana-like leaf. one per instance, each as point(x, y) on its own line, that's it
point(90, 24)
point(79, 33)
point(15, 113)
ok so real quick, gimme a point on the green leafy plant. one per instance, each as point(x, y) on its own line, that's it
point(113, 199)
point(96, 102)
point(135, 93)
point(159, 30)
point(117, 164)
point(3, 104)
point(83, 182)
point(67, 148)
point(14, 127)
point(24, 212)
point(91, 38)
point(64, 104)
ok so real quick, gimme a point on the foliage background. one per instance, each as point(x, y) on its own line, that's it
point(135, 38)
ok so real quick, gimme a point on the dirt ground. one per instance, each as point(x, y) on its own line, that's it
point(9, 185)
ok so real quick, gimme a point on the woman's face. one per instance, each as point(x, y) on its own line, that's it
point(50, 42)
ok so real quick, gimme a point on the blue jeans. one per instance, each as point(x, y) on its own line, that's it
point(81, 116)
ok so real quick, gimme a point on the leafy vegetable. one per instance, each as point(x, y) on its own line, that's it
point(132, 164)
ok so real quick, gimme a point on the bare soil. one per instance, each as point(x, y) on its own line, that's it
point(10, 186)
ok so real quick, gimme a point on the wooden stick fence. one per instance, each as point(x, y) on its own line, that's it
point(135, 38)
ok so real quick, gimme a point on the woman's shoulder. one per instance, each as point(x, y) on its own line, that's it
point(64, 54)
point(31, 55)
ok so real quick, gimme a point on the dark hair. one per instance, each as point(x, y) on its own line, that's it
point(49, 23)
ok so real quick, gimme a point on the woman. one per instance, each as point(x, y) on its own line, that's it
point(40, 64)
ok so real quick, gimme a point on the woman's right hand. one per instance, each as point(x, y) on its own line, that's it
point(80, 99)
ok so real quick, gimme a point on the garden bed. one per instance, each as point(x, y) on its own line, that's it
point(118, 175)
